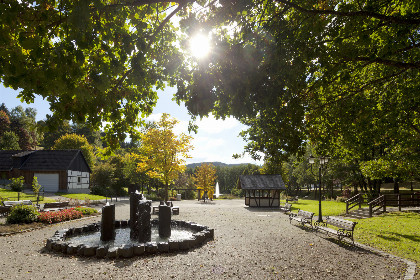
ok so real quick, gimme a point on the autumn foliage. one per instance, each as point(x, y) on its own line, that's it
point(205, 178)
point(163, 153)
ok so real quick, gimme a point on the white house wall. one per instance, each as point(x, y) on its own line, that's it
point(73, 185)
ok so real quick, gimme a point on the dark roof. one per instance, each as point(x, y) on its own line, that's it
point(261, 182)
point(39, 160)
point(6, 160)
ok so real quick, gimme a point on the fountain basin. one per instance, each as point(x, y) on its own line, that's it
point(85, 241)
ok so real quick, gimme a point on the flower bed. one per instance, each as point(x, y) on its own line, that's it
point(59, 216)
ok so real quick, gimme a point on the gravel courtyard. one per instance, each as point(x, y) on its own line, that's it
point(248, 244)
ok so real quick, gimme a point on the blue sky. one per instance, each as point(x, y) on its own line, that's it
point(216, 140)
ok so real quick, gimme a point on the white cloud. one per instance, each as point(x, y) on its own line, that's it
point(213, 126)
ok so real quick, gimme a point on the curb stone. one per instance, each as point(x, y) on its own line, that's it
point(411, 266)
point(46, 225)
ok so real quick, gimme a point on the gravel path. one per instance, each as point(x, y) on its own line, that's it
point(249, 244)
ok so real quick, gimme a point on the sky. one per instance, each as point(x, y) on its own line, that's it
point(216, 140)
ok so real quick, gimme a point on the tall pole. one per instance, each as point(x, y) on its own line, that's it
point(320, 196)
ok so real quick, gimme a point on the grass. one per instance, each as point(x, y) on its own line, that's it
point(81, 196)
point(396, 233)
point(11, 195)
point(329, 208)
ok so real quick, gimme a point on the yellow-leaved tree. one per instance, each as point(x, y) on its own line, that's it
point(163, 153)
point(204, 178)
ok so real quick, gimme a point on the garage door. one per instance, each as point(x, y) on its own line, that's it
point(48, 181)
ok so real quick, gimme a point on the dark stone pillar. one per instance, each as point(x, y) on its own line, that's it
point(164, 221)
point(144, 227)
point(108, 223)
point(134, 202)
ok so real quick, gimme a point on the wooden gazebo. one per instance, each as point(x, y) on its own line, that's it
point(262, 190)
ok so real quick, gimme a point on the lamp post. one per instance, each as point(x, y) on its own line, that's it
point(322, 160)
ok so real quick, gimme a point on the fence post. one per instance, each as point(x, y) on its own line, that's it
point(18, 196)
point(370, 210)
point(399, 202)
point(384, 203)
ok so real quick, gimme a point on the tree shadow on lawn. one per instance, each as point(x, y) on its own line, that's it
point(398, 237)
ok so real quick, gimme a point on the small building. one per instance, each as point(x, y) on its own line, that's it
point(56, 170)
point(262, 190)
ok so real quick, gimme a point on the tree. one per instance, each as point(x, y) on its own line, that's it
point(205, 177)
point(102, 179)
point(291, 69)
point(9, 141)
point(76, 142)
point(52, 135)
point(163, 153)
point(93, 61)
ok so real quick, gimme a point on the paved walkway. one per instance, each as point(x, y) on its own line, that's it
point(249, 244)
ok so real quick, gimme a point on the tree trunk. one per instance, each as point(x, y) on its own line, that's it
point(396, 186)
point(166, 191)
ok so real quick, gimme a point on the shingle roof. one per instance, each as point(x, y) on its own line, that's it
point(261, 182)
point(6, 160)
point(38, 160)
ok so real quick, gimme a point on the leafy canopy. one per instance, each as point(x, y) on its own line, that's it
point(163, 153)
point(205, 177)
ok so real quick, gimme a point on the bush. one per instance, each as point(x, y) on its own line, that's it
point(153, 196)
point(17, 184)
point(190, 194)
point(341, 199)
point(22, 214)
point(59, 216)
point(86, 211)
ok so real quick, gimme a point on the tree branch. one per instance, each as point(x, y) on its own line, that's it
point(388, 62)
point(158, 29)
point(392, 19)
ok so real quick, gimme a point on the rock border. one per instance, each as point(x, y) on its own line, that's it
point(58, 242)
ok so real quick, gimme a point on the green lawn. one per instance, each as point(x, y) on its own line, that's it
point(396, 233)
point(329, 208)
point(11, 195)
point(81, 196)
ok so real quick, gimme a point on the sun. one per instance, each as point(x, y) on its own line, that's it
point(200, 46)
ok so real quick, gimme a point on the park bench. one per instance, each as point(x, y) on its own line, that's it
point(10, 203)
point(174, 209)
point(345, 227)
point(286, 208)
point(4, 210)
point(292, 199)
point(55, 206)
point(303, 217)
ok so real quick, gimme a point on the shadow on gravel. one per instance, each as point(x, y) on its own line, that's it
point(256, 209)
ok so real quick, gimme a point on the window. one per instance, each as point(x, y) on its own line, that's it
point(79, 180)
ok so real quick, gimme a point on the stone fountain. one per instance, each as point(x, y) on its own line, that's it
point(128, 238)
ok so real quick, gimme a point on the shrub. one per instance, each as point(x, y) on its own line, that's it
point(17, 184)
point(22, 214)
point(59, 216)
point(190, 194)
point(86, 211)
point(341, 199)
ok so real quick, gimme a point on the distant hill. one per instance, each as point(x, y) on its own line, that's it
point(215, 163)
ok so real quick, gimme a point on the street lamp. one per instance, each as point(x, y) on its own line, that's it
point(322, 161)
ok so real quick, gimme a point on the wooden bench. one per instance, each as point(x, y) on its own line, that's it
point(55, 206)
point(292, 199)
point(4, 210)
point(286, 208)
point(10, 203)
point(174, 209)
point(303, 217)
point(345, 227)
